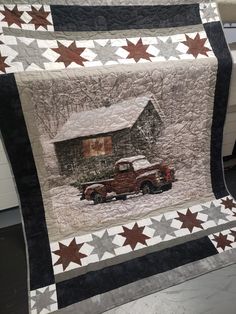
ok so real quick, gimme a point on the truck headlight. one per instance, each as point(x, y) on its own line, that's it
point(158, 179)
point(158, 176)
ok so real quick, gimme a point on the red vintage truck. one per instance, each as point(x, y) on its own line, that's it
point(132, 176)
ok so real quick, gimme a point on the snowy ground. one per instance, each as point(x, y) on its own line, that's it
point(74, 216)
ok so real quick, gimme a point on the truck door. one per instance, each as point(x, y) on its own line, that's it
point(125, 178)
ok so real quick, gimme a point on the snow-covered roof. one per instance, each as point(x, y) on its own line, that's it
point(102, 120)
point(130, 159)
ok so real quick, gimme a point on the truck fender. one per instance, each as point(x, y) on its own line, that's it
point(144, 182)
point(95, 188)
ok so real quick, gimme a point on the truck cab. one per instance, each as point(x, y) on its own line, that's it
point(125, 177)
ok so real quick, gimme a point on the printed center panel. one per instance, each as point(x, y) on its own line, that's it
point(120, 144)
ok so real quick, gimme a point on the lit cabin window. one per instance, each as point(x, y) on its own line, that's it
point(97, 146)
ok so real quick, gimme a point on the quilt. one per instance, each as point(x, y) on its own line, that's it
point(112, 116)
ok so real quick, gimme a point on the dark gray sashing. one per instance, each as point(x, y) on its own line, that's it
point(107, 18)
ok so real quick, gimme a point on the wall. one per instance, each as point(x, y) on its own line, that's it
point(8, 197)
point(230, 123)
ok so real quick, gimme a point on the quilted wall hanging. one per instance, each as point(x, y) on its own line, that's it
point(112, 118)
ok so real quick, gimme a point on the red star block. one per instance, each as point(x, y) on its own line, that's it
point(69, 254)
point(3, 65)
point(222, 241)
point(189, 220)
point(196, 45)
point(12, 16)
point(69, 54)
point(228, 203)
point(137, 51)
point(134, 236)
point(39, 17)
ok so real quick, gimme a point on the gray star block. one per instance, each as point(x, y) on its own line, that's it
point(209, 12)
point(213, 212)
point(167, 49)
point(103, 245)
point(162, 227)
point(43, 300)
point(105, 53)
point(28, 54)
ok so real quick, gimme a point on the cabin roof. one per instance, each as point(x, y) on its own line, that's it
point(116, 117)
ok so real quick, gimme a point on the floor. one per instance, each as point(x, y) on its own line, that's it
point(213, 293)
point(13, 289)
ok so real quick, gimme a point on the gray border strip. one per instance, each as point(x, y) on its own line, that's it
point(103, 302)
point(103, 2)
point(102, 34)
point(147, 250)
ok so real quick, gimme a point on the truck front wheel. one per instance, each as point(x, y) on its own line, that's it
point(98, 198)
point(147, 188)
point(166, 187)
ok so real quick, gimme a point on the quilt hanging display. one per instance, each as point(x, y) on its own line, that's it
point(112, 117)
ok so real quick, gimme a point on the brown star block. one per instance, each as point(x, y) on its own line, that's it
point(69, 254)
point(69, 54)
point(134, 236)
point(222, 241)
point(12, 16)
point(137, 51)
point(196, 45)
point(3, 65)
point(39, 17)
point(228, 203)
point(189, 220)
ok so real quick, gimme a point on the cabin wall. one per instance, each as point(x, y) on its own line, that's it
point(68, 155)
point(72, 162)
point(145, 132)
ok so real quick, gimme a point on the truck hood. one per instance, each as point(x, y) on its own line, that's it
point(153, 166)
point(146, 173)
point(85, 184)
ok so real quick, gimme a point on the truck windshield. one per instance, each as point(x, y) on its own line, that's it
point(140, 164)
point(124, 167)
